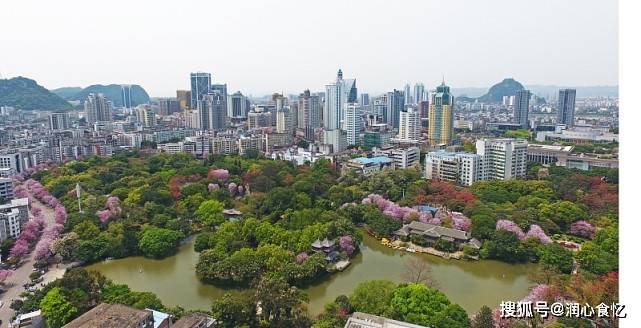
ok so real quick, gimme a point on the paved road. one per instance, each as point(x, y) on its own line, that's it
point(13, 284)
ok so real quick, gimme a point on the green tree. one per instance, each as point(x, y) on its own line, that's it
point(563, 213)
point(210, 213)
point(504, 246)
point(159, 242)
point(484, 318)
point(422, 305)
point(373, 297)
point(56, 308)
point(281, 303)
point(234, 311)
point(556, 257)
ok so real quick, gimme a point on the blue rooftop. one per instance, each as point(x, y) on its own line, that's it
point(373, 160)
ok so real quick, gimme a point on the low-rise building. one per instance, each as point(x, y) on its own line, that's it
point(433, 233)
point(461, 168)
point(368, 165)
point(113, 315)
point(365, 320)
point(403, 157)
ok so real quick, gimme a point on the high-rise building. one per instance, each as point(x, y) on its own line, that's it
point(200, 86)
point(379, 107)
point(212, 111)
point(184, 99)
point(504, 158)
point(408, 94)
point(237, 105)
point(222, 88)
point(309, 113)
point(353, 123)
point(409, 125)
point(565, 107)
point(364, 99)
point(126, 96)
point(279, 101)
point(419, 93)
point(521, 108)
point(441, 116)
point(284, 120)
point(336, 138)
point(337, 95)
point(145, 116)
point(395, 105)
point(97, 108)
point(168, 106)
point(59, 121)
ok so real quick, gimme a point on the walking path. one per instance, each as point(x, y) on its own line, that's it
point(13, 285)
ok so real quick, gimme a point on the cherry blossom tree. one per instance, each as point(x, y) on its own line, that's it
point(103, 215)
point(301, 257)
point(538, 233)
point(347, 244)
point(19, 249)
point(583, 229)
point(511, 227)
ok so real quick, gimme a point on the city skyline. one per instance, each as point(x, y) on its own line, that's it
point(297, 59)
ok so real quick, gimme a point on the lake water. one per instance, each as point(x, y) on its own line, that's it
point(471, 284)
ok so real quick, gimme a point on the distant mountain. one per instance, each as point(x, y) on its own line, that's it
point(507, 87)
point(23, 93)
point(113, 92)
point(67, 93)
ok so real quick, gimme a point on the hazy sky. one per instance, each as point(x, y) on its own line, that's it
point(263, 46)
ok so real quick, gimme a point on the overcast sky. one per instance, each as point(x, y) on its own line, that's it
point(263, 46)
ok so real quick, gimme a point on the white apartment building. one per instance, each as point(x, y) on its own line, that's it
point(6, 189)
point(504, 158)
point(12, 216)
point(409, 125)
point(353, 123)
point(461, 168)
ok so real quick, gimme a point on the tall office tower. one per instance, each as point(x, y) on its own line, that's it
point(521, 108)
point(309, 113)
point(337, 95)
point(285, 120)
point(410, 125)
point(353, 123)
point(441, 116)
point(379, 109)
point(364, 99)
point(212, 111)
point(222, 88)
point(145, 116)
point(184, 99)
point(59, 121)
point(279, 102)
point(395, 105)
point(565, 107)
point(200, 86)
point(419, 93)
point(126, 96)
point(503, 158)
point(237, 105)
point(408, 94)
point(97, 108)
point(168, 106)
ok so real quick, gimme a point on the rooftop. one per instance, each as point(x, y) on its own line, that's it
point(195, 320)
point(373, 160)
point(110, 315)
point(364, 320)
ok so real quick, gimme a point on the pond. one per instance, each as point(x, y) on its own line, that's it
point(471, 284)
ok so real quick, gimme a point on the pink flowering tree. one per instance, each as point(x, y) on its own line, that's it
point(233, 188)
point(113, 205)
point(510, 226)
point(60, 214)
point(213, 187)
point(4, 274)
point(460, 221)
point(219, 175)
point(538, 233)
point(583, 229)
point(301, 257)
point(103, 215)
point(347, 244)
point(19, 249)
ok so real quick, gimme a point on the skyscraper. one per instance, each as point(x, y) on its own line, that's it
point(237, 105)
point(200, 86)
point(565, 107)
point(309, 113)
point(441, 116)
point(353, 123)
point(419, 93)
point(126, 96)
point(364, 99)
point(59, 121)
point(395, 105)
point(337, 95)
point(408, 94)
point(521, 108)
point(145, 116)
point(212, 111)
point(97, 108)
point(168, 106)
point(284, 120)
point(410, 125)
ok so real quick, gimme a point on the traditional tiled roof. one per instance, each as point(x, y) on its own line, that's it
point(111, 315)
point(436, 231)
